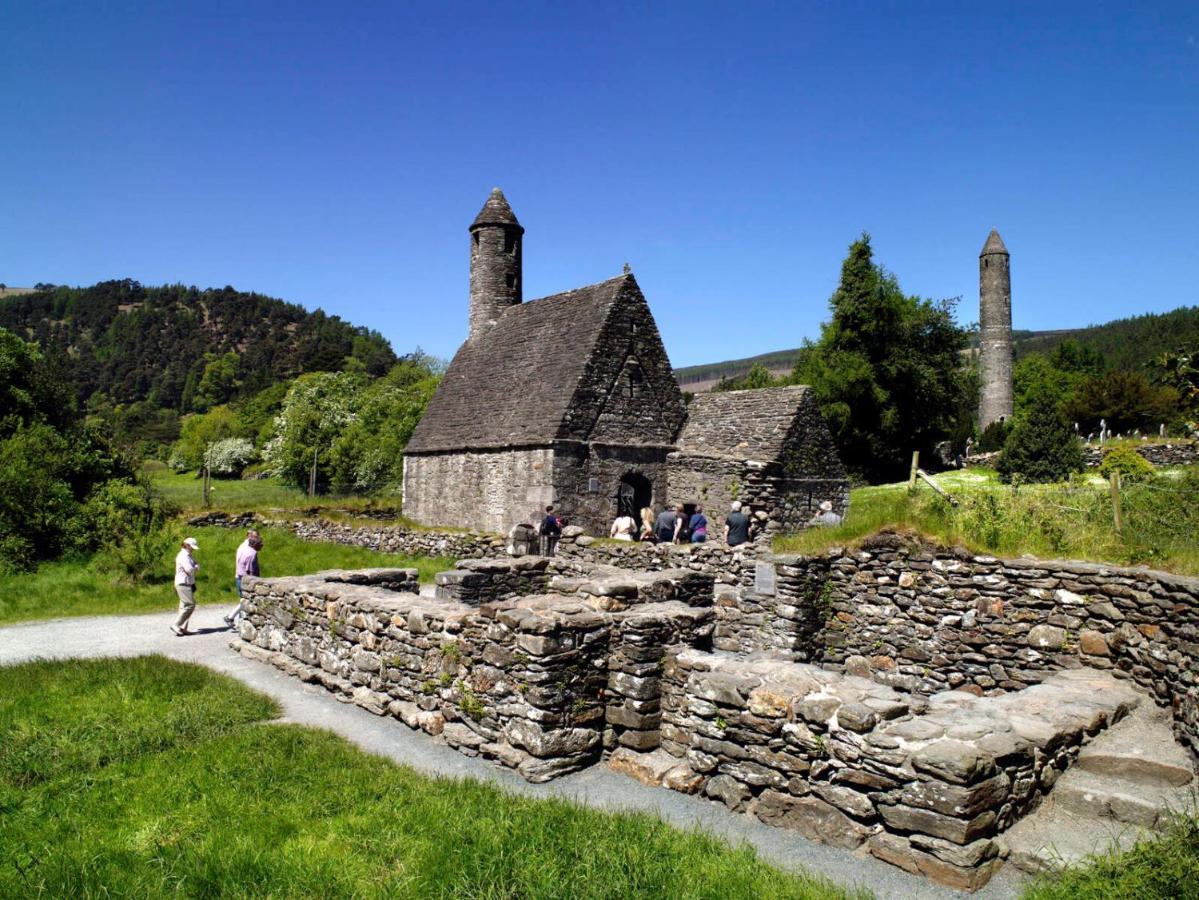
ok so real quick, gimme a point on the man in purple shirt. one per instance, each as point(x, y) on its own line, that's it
point(246, 564)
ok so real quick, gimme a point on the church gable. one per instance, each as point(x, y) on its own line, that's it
point(627, 394)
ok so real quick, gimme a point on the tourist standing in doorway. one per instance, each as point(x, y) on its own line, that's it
point(185, 584)
point(245, 563)
point(667, 525)
point(736, 526)
point(551, 530)
point(698, 525)
point(623, 527)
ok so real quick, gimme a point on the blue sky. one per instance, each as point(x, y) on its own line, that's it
point(334, 154)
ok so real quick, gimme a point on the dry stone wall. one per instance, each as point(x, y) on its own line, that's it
point(924, 618)
point(539, 683)
point(926, 783)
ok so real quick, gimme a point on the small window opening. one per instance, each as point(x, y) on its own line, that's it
point(475, 235)
point(511, 279)
point(986, 263)
point(633, 388)
point(632, 328)
point(509, 242)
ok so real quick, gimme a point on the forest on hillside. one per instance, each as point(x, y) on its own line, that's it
point(121, 342)
point(1127, 344)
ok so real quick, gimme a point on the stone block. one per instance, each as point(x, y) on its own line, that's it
point(1046, 637)
point(954, 761)
point(648, 768)
point(810, 816)
point(958, 800)
point(1093, 643)
point(959, 831)
point(729, 791)
point(899, 852)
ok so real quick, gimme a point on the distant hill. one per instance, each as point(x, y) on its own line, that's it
point(1125, 343)
point(134, 342)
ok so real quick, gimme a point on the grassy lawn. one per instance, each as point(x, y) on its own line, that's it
point(91, 586)
point(1074, 520)
point(150, 778)
point(1162, 869)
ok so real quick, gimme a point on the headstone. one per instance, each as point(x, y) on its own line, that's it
point(764, 579)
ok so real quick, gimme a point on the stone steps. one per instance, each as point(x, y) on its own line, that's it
point(1120, 799)
point(1125, 783)
point(1141, 748)
point(1053, 838)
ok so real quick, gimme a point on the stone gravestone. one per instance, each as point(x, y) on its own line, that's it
point(764, 579)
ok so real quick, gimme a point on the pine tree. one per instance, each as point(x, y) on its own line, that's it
point(1041, 447)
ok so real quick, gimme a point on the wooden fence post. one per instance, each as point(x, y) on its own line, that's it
point(312, 476)
point(915, 468)
point(1117, 511)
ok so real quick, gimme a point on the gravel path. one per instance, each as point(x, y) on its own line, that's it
point(597, 787)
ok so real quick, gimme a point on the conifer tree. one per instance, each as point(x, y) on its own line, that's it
point(1041, 447)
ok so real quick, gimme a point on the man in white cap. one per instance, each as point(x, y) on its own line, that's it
point(185, 584)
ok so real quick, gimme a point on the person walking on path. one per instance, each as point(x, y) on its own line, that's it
point(246, 563)
point(698, 526)
point(736, 526)
point(185, 584)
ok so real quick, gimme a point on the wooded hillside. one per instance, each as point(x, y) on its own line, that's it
point(132, 342)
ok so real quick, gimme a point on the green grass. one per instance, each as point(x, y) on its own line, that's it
point(1161, 869)
point(275, 500)
point(91, 586)
point(229, 808)
point(1074, 520)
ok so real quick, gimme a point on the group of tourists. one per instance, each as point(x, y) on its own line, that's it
point(186, 567)
point(675, 526)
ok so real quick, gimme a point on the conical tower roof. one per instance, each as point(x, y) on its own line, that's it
point(496, 211)
point(994, 244)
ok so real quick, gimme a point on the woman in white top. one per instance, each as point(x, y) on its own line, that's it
point(185, 584)
point(623, 528)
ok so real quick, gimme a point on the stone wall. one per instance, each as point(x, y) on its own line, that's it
point(924, 618)
point(1181, 453)
point(537, 682)
point(483, 490)
point(1178, 453)
point(928, 783)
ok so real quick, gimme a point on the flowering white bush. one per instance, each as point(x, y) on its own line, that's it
point(230, 456)
point(319, 406)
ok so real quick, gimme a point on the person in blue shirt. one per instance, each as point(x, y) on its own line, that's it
point(698, 527)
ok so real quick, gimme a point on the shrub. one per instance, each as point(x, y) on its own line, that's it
point(228, 457)
point(198, 433)
point(1041, 447)
point(994, 436)
point(1130, 464)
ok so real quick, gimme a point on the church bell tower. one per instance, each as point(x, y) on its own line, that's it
point(495, 268)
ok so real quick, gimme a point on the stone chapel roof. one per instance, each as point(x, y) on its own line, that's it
point(513, 384)
point(741, 424)
point(994, 244)
point(496, 211)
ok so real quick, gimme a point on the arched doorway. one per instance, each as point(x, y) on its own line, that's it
point(635, 492)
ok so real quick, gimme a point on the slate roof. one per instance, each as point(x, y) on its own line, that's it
point(741, 424)
point(994, 244)
point(513, 384)
point(496, 211)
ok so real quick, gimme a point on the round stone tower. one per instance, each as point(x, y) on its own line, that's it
point(995, 331)
point(495, 238)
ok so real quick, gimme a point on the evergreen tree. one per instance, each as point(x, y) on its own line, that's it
point(1041, 447)
point(886, 370)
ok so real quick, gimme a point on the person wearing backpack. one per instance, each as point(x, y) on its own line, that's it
point(551, 530)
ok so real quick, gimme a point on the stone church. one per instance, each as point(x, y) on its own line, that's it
point(571, 400)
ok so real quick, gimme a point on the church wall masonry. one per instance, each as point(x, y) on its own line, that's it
point(489, 490)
